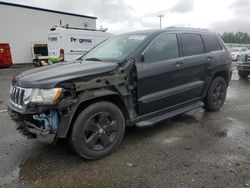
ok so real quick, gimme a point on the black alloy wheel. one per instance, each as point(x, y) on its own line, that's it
point(98, 130)
point(216, 94)
point(219, 93)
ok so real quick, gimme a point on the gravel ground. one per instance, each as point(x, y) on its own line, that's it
point(197, 149)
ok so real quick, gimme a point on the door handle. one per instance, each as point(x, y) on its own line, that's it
point(178, 63)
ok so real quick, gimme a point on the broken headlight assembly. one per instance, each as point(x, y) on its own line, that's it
point(45, 96)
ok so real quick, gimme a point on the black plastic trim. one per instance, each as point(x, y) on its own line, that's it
point(171, 91)
point(167, 115)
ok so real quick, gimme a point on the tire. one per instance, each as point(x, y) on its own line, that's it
point(216, 95)
point(243, 74)
point(98, 130)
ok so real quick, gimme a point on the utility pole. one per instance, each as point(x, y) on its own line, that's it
point(160, 16)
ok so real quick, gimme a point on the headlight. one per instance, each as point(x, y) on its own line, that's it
point(46, 96)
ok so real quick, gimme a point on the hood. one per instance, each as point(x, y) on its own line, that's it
point(50, 76)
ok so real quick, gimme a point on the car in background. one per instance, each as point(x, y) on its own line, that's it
point(243, 65)
point(236, 52)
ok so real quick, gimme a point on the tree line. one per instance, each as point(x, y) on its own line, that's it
point(238, 38)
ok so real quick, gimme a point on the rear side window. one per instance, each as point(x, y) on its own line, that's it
point(211, 43)
point(164, 47)
point(192, 44)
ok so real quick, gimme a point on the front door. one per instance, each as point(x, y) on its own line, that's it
point(155, 81)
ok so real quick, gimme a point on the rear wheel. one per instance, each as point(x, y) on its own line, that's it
point(98, 130)
point(216, 94)
point(243, 74)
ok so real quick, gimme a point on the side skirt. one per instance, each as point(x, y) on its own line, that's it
point(154, 120)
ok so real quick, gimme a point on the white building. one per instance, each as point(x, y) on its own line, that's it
point(21, 25)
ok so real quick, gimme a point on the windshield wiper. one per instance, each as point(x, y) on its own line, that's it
point(92, 59)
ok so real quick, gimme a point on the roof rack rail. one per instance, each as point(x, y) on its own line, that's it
point(78, 28)
point(184, 28)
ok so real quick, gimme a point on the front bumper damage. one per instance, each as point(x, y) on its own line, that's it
point(42, 126)
point(40, 121)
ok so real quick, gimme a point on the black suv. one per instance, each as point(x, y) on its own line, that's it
point(138, 78)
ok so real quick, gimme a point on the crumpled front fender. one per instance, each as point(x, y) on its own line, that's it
point(65, 121)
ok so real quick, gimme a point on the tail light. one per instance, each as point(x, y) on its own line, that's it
point(61, 55)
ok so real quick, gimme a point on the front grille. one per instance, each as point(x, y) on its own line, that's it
point(17, 96)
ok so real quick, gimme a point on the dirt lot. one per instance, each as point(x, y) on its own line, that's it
point(198, 149)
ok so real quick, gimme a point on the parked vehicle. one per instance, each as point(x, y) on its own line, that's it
point(138, 78)
point(243, 65)
point(236, 52)
point(69, 43)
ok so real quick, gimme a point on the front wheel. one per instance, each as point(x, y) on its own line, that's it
point(98, 130)
point(216, 94)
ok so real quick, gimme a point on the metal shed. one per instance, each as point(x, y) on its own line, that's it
point(21, 25)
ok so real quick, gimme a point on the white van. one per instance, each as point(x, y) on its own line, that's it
point(67, 43)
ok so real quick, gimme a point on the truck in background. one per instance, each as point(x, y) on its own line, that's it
point(69, 43)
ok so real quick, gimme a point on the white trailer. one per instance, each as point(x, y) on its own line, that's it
point(67, 43)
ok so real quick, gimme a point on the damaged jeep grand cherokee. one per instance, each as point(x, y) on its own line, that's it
point(139, 78)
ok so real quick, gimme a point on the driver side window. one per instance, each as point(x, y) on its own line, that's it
point(164, 47)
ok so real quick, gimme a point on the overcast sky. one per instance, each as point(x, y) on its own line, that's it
point(128, 15)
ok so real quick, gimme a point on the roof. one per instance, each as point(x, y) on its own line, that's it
point(187, 29)
point(45, 10)
point(171, 29)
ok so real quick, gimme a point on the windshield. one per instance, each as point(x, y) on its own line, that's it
point(115, 49)
point(235, 50)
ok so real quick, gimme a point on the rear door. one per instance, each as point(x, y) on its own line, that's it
point(196, 64)
point(215, 53)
